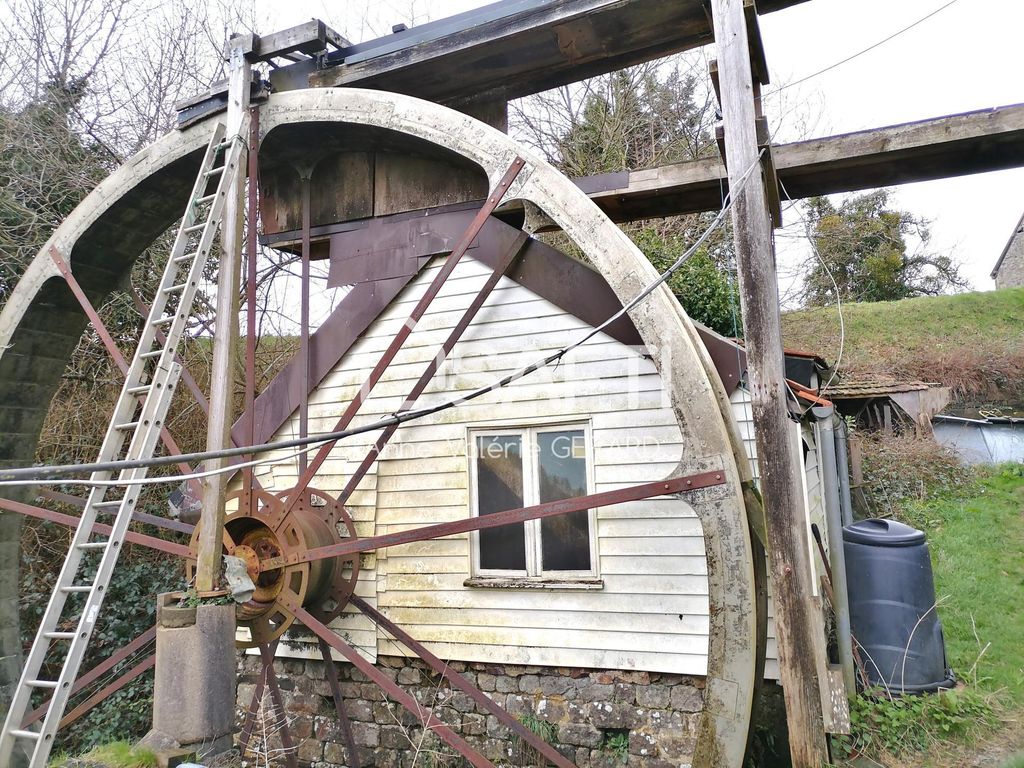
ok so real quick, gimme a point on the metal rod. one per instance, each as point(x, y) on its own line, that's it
point(82, 709)
point(435, 362)
point(497, 519)
point(339, 703)
point(424, 714)
point(403, 333)
point(70, 521)
point(142, 517)
point(836, 551)
point(254, 704)
point(108, 342)
point(190, 382)
point(462, 683)
point(282, 718)
point(248, 476)
point(97, 672)
point(843, 470)
point(304, 321)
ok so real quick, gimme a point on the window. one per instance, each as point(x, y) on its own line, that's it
point(520, 468)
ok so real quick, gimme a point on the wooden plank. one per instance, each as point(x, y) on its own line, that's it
point(537, 47)
point(789, 565)
point(941, 147)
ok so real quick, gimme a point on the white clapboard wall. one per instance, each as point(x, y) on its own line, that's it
point(651, 610)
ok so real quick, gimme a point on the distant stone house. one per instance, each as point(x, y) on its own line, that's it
point(1009, 269)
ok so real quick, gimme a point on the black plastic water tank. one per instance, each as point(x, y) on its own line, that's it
point(892, 606)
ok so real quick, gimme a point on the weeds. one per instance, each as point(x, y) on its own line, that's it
point(901, 469)
point(900, 726)
point(117, 754)
point(616, 743)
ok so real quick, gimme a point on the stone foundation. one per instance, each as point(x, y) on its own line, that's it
point(597, 719)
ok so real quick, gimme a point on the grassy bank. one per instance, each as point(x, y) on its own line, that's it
point(973, 342)
point(977, 541)
point(976, 536)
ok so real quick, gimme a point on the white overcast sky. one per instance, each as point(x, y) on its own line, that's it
point(968, 56)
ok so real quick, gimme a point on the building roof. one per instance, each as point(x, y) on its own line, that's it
point(878, 386)
point(1018, 230)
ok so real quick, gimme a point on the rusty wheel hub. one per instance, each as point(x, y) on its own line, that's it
point(266, 530)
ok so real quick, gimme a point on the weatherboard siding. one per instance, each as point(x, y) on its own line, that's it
point(651, 612)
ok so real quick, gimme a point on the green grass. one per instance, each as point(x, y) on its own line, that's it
point(966, 341)
point(976, 536)
point(117, 754)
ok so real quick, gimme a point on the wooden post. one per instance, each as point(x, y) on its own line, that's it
point(789, 560)
point(225, 338)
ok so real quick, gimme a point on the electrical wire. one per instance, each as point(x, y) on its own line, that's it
point(839, 302)
point(862, 52)
point(59, 473)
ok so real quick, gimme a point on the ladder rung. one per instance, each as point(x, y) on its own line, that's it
point(59, 635)
point(206, 199)
point(195, 227)
point(20, 734)
point(76, 588)
point(213, 171)
point(151, 354)
point(175, 288)
point(110, 503)
point(140, 390)
point(163, 320)
point(223, 144)
point(128, 425)
point(93, 545)
point(185, 257)
point(52, 684)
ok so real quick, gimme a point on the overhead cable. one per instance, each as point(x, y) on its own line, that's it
point(62, 473)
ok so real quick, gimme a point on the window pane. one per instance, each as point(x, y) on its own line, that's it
point(499, 473)
point(565, 539)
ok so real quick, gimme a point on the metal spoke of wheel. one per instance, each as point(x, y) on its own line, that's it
point(414, 317)
point(282, 718)
point(254, 704)
point(339, 704)
point(162, 545)
point(460, 682)
point(111, 346)
point(424, 714)
point(98, 671)
point(435, 362)
point(86, 706)
point(507, 517)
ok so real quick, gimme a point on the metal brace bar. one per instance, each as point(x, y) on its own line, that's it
point(406, 330)
point(71, 521)
point(421, 384)
point(507, 517)
point(460, 682)
point(392, 689)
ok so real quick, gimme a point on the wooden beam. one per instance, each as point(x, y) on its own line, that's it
point(539, 46)
point(940, 147)
point(225, 339)
point(789, 556)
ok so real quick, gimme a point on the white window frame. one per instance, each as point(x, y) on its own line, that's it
point(531, 494)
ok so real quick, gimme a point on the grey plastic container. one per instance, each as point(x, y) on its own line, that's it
point(892, 607)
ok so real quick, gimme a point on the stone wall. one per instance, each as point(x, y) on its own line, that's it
point(1011, 267)
point(597, 719)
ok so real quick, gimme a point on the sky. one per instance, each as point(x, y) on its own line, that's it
point(969, 55)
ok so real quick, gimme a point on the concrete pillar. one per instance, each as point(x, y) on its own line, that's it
point(194, 689)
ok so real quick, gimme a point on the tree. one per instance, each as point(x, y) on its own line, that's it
point(645, 116)
point(864, 253)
